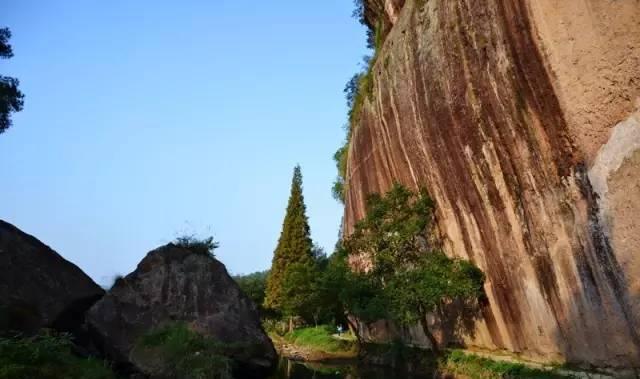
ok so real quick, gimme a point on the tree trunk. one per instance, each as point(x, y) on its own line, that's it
point(290, 324)
point(430, 336)
point(354, 330)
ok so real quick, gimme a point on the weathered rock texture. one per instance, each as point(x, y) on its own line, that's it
point(39, 288)
point(518, 116)
point(173, 284)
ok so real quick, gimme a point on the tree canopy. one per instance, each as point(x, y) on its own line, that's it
point(11, 99)
point(293, 258)
point(407, 276)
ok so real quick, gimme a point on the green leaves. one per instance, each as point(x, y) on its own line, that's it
point(178, 352)
point(294, 249)
point(47, 356)
point(11, 99)
point(204, 246)
point(408, 277)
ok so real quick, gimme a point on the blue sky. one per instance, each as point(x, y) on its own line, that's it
point(147, 119)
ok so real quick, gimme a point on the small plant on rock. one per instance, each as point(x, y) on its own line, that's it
point(204, 246)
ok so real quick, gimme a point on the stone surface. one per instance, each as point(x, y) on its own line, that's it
point(173, 284)
point(502, 109)
point(39, 288)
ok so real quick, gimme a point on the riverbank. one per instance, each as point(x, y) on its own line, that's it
point(319, 345)
point(315, 344)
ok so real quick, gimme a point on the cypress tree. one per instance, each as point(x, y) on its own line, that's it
point(294, 247)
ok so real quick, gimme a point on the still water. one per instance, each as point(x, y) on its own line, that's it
point(304, 370)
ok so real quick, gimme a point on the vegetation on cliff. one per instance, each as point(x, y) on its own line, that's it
point(11, 99)
point(203, 246)
point(356, 90)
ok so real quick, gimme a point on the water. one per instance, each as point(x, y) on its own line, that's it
point(351, 370)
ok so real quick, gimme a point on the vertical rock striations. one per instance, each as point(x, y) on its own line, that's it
point(507, 111)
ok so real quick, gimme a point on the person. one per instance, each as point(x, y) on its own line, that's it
point(339, 330)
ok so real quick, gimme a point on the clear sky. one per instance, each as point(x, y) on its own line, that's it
point(147, 119)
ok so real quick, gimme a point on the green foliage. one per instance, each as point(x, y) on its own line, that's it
point(6, 51)
point(319, 338)
point(407, 277)
point(434, 279)
point(185, 354)
point(254, 286)
point(340, 158)
point(302, 294)
point(357, 90)
point(202, 246)
point(11, 99)
point(47, 356)
point(474, 367)
point(294, 249)
point(391, 233)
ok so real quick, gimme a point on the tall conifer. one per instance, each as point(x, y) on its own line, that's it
point(294, 246)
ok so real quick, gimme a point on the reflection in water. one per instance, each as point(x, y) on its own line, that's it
point(297, 370)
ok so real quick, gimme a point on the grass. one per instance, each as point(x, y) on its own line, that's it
point(47, 356)
point(320, 339)
point(459, 363)
point(176, 351)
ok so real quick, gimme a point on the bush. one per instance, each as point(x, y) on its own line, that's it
point(176, 351)
point(205, 246)
point(47, 356)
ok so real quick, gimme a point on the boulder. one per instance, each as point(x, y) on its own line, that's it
point(175, 284)
point(39, 288)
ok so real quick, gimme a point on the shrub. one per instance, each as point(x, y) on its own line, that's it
point(47, 356)
point(204, 246)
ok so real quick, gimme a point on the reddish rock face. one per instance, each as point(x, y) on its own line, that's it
point(478, 101)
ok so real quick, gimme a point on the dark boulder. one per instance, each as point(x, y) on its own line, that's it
point(39, 288)
point(174, 284)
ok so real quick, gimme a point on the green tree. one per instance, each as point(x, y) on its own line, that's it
point(11, 99)
point(294, 251)
point(254, 286)
point(408, 277)
point(301, 296)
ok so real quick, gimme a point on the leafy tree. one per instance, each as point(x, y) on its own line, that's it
point(294, 249)
point(254, 286)
point(11, 99)
point(301, 296)
point(407, 277)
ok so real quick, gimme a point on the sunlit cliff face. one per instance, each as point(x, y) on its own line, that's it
point(520, 117)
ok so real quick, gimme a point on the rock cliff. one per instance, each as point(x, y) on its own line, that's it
point(521, 119)
point(39, 288)
point(174, 284)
